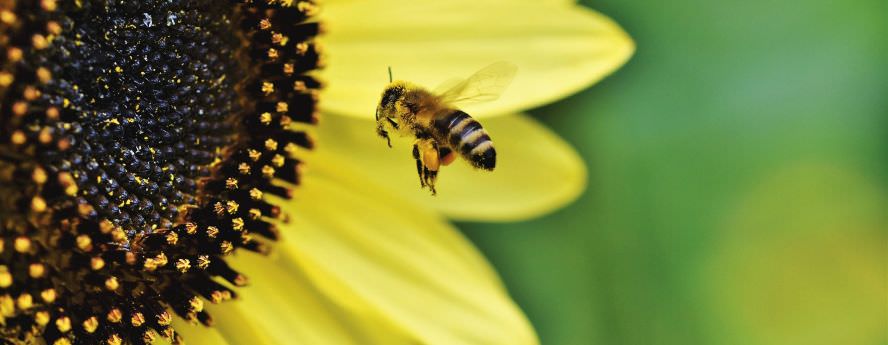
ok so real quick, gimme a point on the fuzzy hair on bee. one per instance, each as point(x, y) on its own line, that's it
point(443, 131)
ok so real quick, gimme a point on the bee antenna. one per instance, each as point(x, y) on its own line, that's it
point(390, 74)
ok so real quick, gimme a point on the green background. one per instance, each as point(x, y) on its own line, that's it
point(737, 183)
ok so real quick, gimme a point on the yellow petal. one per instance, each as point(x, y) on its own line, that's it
point(536, 171)
point(383, 257)
point(281, 306)
point(559, 48)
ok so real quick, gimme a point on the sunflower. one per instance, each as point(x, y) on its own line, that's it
point(144, 143)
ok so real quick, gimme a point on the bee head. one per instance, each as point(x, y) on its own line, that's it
point(390, 96)
point(387, 110)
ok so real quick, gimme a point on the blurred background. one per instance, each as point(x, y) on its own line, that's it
point(737, 183)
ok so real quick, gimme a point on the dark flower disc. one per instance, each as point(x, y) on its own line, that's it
point(137, 142)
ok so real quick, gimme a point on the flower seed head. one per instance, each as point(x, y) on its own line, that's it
point(137, 142)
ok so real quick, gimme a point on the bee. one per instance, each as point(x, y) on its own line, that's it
point(441, 130)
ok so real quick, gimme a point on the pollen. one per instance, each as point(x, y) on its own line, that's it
point(139, 140)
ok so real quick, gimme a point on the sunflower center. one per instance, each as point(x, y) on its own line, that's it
point(137, 142)
point(144, 92)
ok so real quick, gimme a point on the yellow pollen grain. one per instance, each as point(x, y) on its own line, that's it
point(150, 265)
point(232, 206)
point(137, 319)
point(281, 107)
point(39, 176)
point(63, 324)
point(172, 238)
point(216, 297)
point(241, 280)
point(265, 118)
point(105, 226)
point(22, 244)
point(278, 38)
point(164, 318)
point(255, 194)
point(118, 236)
point(91, 324)
point(114, 316)
point(18, 137)
point(7, 17)
point(114, 339)
point(203, 261)
point(271, 144)
point(39, 42)
point(196, 304)
point(44, 75)
point(6, 79)
point(7, 305)
point(267, 171)
point(254, 154)
point(183, 265)
point(41, 318)
point(38, 204)
point(255, 213)
point(226, 247)
point(243, 168)
point(237, 224)
point(45, 136)
point(219, 209)
point(267, 88)
point(96, 263)
point(31, 93)
point(84, 242)
point(161, 259)
point(52, 113)
point(36, 270)
point(278, 160)
point(149, 336)
point(112, 284)
point(48, 295)
point(54, 28)
point(231, 183)
point(301, 48)
point(264, 24)
point(20, 108)
point(25, 301)
point(48, 5)
point(285, 121)
point(85, 209)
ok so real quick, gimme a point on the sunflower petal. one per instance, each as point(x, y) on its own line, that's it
point(383, 257)
point(559, 48)
point(281, 306)
point(536, 171)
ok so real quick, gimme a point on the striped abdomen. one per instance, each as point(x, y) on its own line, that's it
point(466, 136)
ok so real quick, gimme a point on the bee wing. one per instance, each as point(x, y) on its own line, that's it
point(483, 86)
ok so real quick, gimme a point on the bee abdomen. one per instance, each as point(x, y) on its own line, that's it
point(468, 137)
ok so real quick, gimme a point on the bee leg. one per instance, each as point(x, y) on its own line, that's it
point(427, 150)
point(382, 133)
point(419, 166)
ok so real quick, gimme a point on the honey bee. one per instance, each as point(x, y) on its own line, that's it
point(441, 129)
